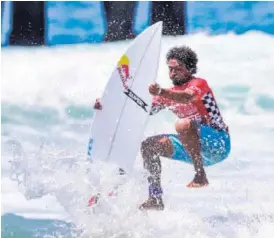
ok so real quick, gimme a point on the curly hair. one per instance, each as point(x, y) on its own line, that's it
point(184, 55)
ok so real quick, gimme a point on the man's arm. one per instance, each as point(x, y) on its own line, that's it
point(184, 96)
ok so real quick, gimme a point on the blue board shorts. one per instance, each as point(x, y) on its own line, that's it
point(215, 146)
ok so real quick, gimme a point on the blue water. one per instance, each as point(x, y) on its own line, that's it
point(20, 227)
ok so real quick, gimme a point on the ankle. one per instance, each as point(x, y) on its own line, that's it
point(155, 191)
point(200, 172)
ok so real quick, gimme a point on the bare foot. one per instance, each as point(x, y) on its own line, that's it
point(192, 184)
point(200, 180)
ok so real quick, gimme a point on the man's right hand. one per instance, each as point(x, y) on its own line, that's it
point(154, 89)
point(97, 105)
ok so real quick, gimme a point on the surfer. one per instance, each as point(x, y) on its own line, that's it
point(202, 137)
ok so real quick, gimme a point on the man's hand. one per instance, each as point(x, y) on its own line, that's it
point(154, 89)
point(97, 105)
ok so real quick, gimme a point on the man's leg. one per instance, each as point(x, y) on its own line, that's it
point(189, 135)
point(152, 148)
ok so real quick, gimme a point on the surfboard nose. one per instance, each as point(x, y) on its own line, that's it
point(156, 28)
point(158, 25)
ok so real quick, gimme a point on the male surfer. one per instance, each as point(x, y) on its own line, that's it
point(202, 137)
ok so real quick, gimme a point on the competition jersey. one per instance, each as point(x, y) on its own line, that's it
point(203, 108)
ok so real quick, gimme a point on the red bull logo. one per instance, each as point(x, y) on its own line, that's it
point(123, 69)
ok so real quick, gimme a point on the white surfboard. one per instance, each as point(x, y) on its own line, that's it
point(118, 128)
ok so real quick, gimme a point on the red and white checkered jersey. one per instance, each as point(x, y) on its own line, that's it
point(203, 108)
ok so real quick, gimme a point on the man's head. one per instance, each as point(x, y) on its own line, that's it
point(182, 64)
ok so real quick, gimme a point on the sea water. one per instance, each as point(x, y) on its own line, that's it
point(47, 98)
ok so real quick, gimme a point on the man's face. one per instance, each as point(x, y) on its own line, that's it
point(178, 72)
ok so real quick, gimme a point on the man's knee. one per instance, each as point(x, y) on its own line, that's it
point(157, 145)
point(146, 144)
point(185, 125)
point(149, 143)
point(163, 141)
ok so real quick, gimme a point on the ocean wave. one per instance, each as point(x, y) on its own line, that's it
point(46, 117)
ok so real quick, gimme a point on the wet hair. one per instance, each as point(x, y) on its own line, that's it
point(184, 55)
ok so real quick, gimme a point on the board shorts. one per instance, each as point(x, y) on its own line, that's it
point(215, 146)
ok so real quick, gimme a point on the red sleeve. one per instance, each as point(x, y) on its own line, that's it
point(199, 87)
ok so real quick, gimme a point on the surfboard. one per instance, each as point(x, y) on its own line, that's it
point(117, 129)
